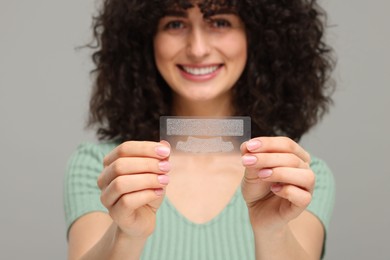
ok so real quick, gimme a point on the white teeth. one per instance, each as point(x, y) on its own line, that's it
point(200, 71)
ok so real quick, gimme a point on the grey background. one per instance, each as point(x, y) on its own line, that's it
point(44, 88)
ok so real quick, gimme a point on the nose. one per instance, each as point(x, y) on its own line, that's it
point(198, 45)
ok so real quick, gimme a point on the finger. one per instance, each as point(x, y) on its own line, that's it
point(275, 145)
point(156, 150)
point(131, 183)
point(253, 188)
point(298, 197)
point(272, 160)
point(131, 165)
point(130, 202)
point(303, 178)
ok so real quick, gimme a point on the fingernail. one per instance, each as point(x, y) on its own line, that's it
point(248, 159)
point(276, 188)
point(253, 145)
point(264, 173)
point(163, 179)
point(164, 166)
point(163, 151)
point(159, 192)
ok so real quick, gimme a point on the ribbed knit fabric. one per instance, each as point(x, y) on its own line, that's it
point(227, 236)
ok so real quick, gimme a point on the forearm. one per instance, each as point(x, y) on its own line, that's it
point(115, 245)
point(281, 244)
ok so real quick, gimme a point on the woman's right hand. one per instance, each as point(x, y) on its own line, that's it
point(132, 185)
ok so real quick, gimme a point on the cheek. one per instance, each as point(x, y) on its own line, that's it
point(162, 52)
point(236, 47)
point(164, 56)
point(242, 48)
point(159, 52)
point(238, 53)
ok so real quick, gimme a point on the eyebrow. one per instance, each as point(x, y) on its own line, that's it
point(222, 11)
point(176, 13)
point(184, 14)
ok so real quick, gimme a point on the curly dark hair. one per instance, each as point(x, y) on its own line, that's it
point(285, 87)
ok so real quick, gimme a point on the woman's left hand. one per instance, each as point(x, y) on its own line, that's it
point(278, 182)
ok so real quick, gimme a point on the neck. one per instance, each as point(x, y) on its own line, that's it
point(217, 108)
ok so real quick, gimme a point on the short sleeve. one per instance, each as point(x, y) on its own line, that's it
point(81, 194)
point(324, 192)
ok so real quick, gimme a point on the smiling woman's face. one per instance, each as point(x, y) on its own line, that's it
point(200, 58)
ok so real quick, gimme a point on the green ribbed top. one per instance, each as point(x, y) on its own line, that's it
point(227, 236)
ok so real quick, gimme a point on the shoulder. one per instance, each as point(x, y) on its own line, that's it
point(321, 170)
point(81, 193)
point(318, 162)
point(92, 150)
point(98, 149)
point(88, 158)
point(324, 191)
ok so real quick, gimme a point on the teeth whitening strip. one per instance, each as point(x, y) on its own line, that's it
point(205, 134)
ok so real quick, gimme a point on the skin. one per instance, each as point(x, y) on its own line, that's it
point(186, 39)
point(277, 187)
point(277, 182)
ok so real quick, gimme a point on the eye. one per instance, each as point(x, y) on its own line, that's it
point(220, 23)
point(174, 25)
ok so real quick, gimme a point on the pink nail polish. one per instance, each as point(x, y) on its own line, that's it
point(253, 145)
point(276, 188)
point(264, 173)
point(248, 160)
point(163, 179)
point(163, 151)
point(164, 166)
point(159, 192)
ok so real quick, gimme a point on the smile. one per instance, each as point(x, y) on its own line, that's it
point(200, 71)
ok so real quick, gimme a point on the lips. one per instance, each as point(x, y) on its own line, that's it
point(200, 70)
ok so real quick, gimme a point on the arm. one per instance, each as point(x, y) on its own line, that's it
point(302, 239)
point(277, 187)
point(96, 236)
point(132, 186)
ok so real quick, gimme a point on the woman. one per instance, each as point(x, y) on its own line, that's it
point(129, 197)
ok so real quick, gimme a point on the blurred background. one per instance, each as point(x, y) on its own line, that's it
point(44, 91)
